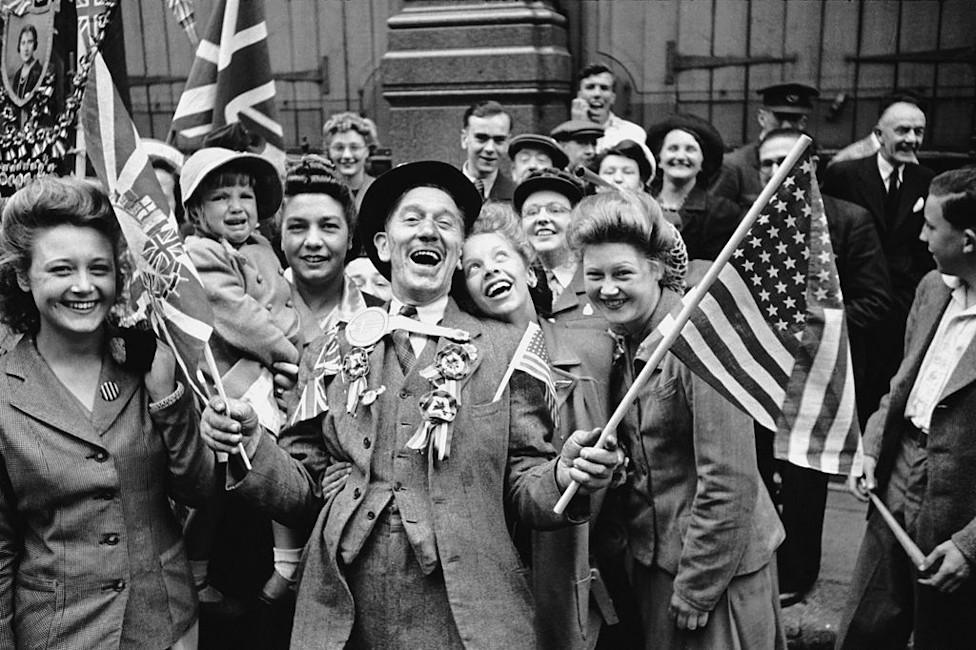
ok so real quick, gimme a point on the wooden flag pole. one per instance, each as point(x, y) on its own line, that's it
point(690, 303)
point(911, 548)
point(219, 385)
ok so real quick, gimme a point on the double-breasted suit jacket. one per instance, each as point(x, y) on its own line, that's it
point(499, 457)
point(948, 508)
point(91, 555)
point(860, 182)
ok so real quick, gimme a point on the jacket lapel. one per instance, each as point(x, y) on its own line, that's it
point(873, 191)
point(929, 315)
point(115, 382)
point(572, 296)
point(454, 317)
point(39, 394)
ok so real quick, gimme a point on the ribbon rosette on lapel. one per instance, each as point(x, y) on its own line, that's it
point(439, 407)
point(355, 368)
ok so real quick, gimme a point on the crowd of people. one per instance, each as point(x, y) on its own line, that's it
point(410, 369)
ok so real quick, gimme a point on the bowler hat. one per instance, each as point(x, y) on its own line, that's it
point(555, 180)
point(267, 184)
point(710, 140)
point(384, 193)
point(577, 130)
point(791, 97)
point(543, 143)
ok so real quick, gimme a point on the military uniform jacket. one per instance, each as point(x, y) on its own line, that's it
point(91, 555)
point(499, 457)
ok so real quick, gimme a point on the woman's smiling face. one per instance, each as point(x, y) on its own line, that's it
point(496, 276)
point(623, 284)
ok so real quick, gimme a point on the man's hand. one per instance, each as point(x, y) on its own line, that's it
point(589, 466)
point(224, 426)
point(952, 572)
point(285, 378)
point(579, 109)
point(686, 617)
point(334, 478)
point(861, 485)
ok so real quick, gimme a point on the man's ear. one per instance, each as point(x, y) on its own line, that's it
point(464, 139)
point(969, 241)
point(382, 250)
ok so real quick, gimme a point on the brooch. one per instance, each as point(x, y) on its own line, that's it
point(439, 406)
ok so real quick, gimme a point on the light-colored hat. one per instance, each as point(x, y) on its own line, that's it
point(267, 185)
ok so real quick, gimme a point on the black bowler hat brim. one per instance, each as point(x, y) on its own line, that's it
point(384, 193)
point(713, 149)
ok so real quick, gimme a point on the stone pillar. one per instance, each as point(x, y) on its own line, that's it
point(444, 56)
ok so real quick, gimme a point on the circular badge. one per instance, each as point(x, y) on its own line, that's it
point(367, 327)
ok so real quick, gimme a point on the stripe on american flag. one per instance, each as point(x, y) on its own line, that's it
point(770, 333)
point(532, 357)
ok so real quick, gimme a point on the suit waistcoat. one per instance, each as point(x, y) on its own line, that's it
point(396, 472)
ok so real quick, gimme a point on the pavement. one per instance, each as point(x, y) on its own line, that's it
point(812, 623)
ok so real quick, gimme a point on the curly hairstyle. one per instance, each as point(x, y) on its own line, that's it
point(499, 218)
point(622, 218)
point(46, 203)
point(349, 121)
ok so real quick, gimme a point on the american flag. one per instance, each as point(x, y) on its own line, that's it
point(770, 333)
point(165, 277)
point(532, 357)
point(230, 81)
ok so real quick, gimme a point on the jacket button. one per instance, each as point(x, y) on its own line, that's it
point(269, 306)
point(404, 394)
point(110, 539)
point(397, 486)
point(259, 279)
point(119, 585)
point(371, 515)
point(357, 493)
point(289, 303)
point(367, 443)
point(100, 456)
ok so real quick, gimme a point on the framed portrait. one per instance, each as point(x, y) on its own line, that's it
point(27, 41)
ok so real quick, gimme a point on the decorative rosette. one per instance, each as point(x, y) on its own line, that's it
point(453, 363)
point(355, 368)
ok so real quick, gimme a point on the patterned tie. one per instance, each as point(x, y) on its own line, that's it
point(480, 186)
point(401, 342)
point(555, 287)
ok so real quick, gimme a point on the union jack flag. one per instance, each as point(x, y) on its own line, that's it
point(230, 81)
point(93, 17)
point(770, 333)
point(165, 278)
point(312, 399)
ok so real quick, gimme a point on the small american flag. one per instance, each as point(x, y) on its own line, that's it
point(230, 81)
point(532, 357)
point(770, 333)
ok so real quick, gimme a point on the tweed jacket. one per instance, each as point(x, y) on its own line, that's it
point(860, 182)
point(499, 458)
point(948, 508)
point(562, 560)
point(698, 507)
point(91, 555)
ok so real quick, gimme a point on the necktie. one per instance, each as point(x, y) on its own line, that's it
point(891, 197)
point(480, 185)
point(401, 342)
point(555, 287)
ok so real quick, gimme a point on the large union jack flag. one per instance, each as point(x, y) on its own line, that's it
point(165, 278)
point(230, 81)
point(770, 333)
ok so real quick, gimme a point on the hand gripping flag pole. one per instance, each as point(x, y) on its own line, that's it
point(690, 304)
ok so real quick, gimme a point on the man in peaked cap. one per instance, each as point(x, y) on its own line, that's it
point(578, 139)
point(414, 551)
point(784, 105)
point(530, 151)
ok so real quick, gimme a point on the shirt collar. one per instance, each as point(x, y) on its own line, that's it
point(488, 180)
point(885, 168)
point(432, 313)
point(962, 294)
point(566, 272)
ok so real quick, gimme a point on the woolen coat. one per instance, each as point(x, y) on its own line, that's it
point(499, 458)
point(948, 508)
point(91, 555)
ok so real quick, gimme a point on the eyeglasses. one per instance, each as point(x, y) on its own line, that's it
point(354, 149)
point(554, 209)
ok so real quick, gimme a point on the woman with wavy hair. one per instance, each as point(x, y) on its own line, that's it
point(96, 433)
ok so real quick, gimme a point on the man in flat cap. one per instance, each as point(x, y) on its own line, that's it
point(578, 139)
point(444, 434)
point(784, 105)
point(530, 151)
point(484, 139)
